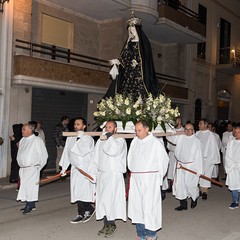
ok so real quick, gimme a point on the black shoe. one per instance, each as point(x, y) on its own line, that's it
point(193, 203)
point(169, 190)
point(77, 219)
point(200, 193)
point(163, 193)
point(87, 216)
point(204, 196)
point(27, 210)
point(180, 208)
point(23, 209)
point(13, 181)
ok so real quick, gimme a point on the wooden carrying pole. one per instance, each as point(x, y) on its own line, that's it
point(121, 135)
point(85, 174)
point(203, 176)
point(50, 179)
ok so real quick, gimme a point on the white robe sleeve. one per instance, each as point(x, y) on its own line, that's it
point(93, 165)
point(42, 153)
point(65, 158)
point(163, 161)
point(114, 147)
point(83, 146)
point(82, 152)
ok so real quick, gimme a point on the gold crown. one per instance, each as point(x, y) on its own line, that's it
point(134, 21)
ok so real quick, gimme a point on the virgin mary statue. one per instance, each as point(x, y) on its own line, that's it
point(133, 73)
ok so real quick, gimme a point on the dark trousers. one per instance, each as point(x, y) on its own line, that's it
point(107, 222)
point(30, 204)
point(84, 206)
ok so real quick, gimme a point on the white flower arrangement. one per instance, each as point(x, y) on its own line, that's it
point(155, 110)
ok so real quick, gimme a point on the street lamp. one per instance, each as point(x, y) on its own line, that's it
point(1, 4)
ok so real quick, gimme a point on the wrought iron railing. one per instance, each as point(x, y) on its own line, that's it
point(176, 4)
point(171, 79)
point(57, 53)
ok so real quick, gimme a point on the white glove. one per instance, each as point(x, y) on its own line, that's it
point(63, 174)
point(178, 165)
point(80, 134)
point(198, 174)
point(103, 137)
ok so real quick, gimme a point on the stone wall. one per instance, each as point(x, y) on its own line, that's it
point(22, 19)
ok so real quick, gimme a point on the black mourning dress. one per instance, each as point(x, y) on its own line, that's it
point(136, 71)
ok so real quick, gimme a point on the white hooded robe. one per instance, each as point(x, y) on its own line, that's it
point(189, 154)
point(32, 157)
point(108, 166)
point(148, 163)
point(79, 154)
point(210, 153)
point(232, 165)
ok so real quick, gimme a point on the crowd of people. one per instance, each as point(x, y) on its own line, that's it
point(155, 165)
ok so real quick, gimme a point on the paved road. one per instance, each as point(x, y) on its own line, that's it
point(210, 220)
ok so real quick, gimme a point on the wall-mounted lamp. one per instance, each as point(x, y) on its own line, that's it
point(1, 5)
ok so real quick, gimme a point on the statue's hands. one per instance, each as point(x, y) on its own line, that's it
point(114, 62)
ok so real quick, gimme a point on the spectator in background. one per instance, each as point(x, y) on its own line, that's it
point(15, 138)
point(59, 140)
point(40, 131)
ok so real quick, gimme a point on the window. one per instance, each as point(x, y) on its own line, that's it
point(201, 47)
point(225, 40)
point(57, 32)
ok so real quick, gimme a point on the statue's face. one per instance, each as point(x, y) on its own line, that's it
point(132, 33)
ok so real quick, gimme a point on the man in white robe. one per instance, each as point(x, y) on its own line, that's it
point(188, 153)
point(108, 167)
point(219, 142)
point(32, 157)
point(148, 162)
point(78, 152)
point(211, 155)
point(226, 137)
point(171, 145)
point(232, 167)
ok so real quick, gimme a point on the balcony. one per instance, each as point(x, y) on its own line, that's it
point(176, 23)
point(51, 66)
point(228, 60)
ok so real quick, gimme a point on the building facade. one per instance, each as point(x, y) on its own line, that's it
point(54, 59)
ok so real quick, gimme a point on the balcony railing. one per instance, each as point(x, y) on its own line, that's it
point(163, 78)
point(176, 4)
point(58, 54)
point(229, 56)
